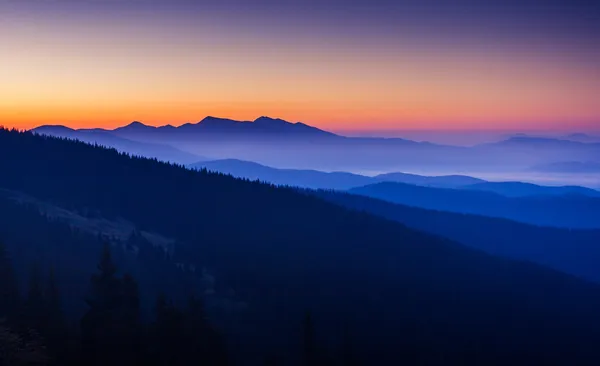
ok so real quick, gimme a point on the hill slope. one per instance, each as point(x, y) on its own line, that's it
point(570, 211)
point(323, 180)
point(289, 177)
point(519, 189)
point(148, 150)
point(284, 252)
point(572, 251)
point(447, 181)
point(569, 167)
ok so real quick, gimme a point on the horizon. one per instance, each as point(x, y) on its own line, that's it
point(458, 137)
point(363, 65)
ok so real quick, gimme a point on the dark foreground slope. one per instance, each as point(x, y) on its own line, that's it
point(406, 297)
point(63, 304)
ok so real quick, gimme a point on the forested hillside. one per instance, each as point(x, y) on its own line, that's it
point(399, 296)
point(59, 308)
point(572, 211)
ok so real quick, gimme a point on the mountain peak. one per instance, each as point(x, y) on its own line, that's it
point(271, 121)
point(55, 128)
point(535, 140)
point(135, 125)
point(579, 135)
point(211, 120)
point(280, 125)
point(212, 124)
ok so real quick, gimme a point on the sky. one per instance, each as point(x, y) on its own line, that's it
point(352, 65)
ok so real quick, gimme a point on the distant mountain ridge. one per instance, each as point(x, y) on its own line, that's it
point(444, 181)
point(225, 127)
point(571, 167)
point(276, 142)
point(315, 179)
point(217, 125)
point(103, 138)
point(521, 138)
point(324, 180)
point(286, 177)
point(520, 189)
point(582, 137)
point(264, 124)
point(577, 136)
point(567, 211)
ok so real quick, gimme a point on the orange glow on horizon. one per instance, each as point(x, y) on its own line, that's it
point(95, 76)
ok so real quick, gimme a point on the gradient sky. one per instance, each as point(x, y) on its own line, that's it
point(337, 64)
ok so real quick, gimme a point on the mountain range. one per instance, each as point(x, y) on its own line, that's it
point(564, 206)
point(279, 143)
point(569, 167)
point(105, 138)
point(262, 127)
point(520, 189)
point(582, 137)
point(577, 136)
point(323, 180)
point(568, 210)
point(342, 180)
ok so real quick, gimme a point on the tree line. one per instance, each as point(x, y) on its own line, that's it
point(111, 332)
point(34, 330)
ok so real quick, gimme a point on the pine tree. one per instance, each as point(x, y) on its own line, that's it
point(169, 338)
point(9, 290)
point(54, 312)
point(205, 344)
point(349, 354)
point(130, 328)
point(55, 332)
point(272, 360)
point(100, 325)
point(309, 342)
point(34, 302)
point(130, 299)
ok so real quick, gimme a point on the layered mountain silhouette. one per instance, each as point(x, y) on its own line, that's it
point(285, 177)
point(446, 181)
point(100, 137)
point(531, 141)
point(582, 137)
point(223, 126)
point(323, 180)
point(520, 189)
point(578, 137)
point(570, 210)
point(568, 250)
point(279, 143)
point(540, 150)
point(407, 294)
point(569, 167)
point(342, 181)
